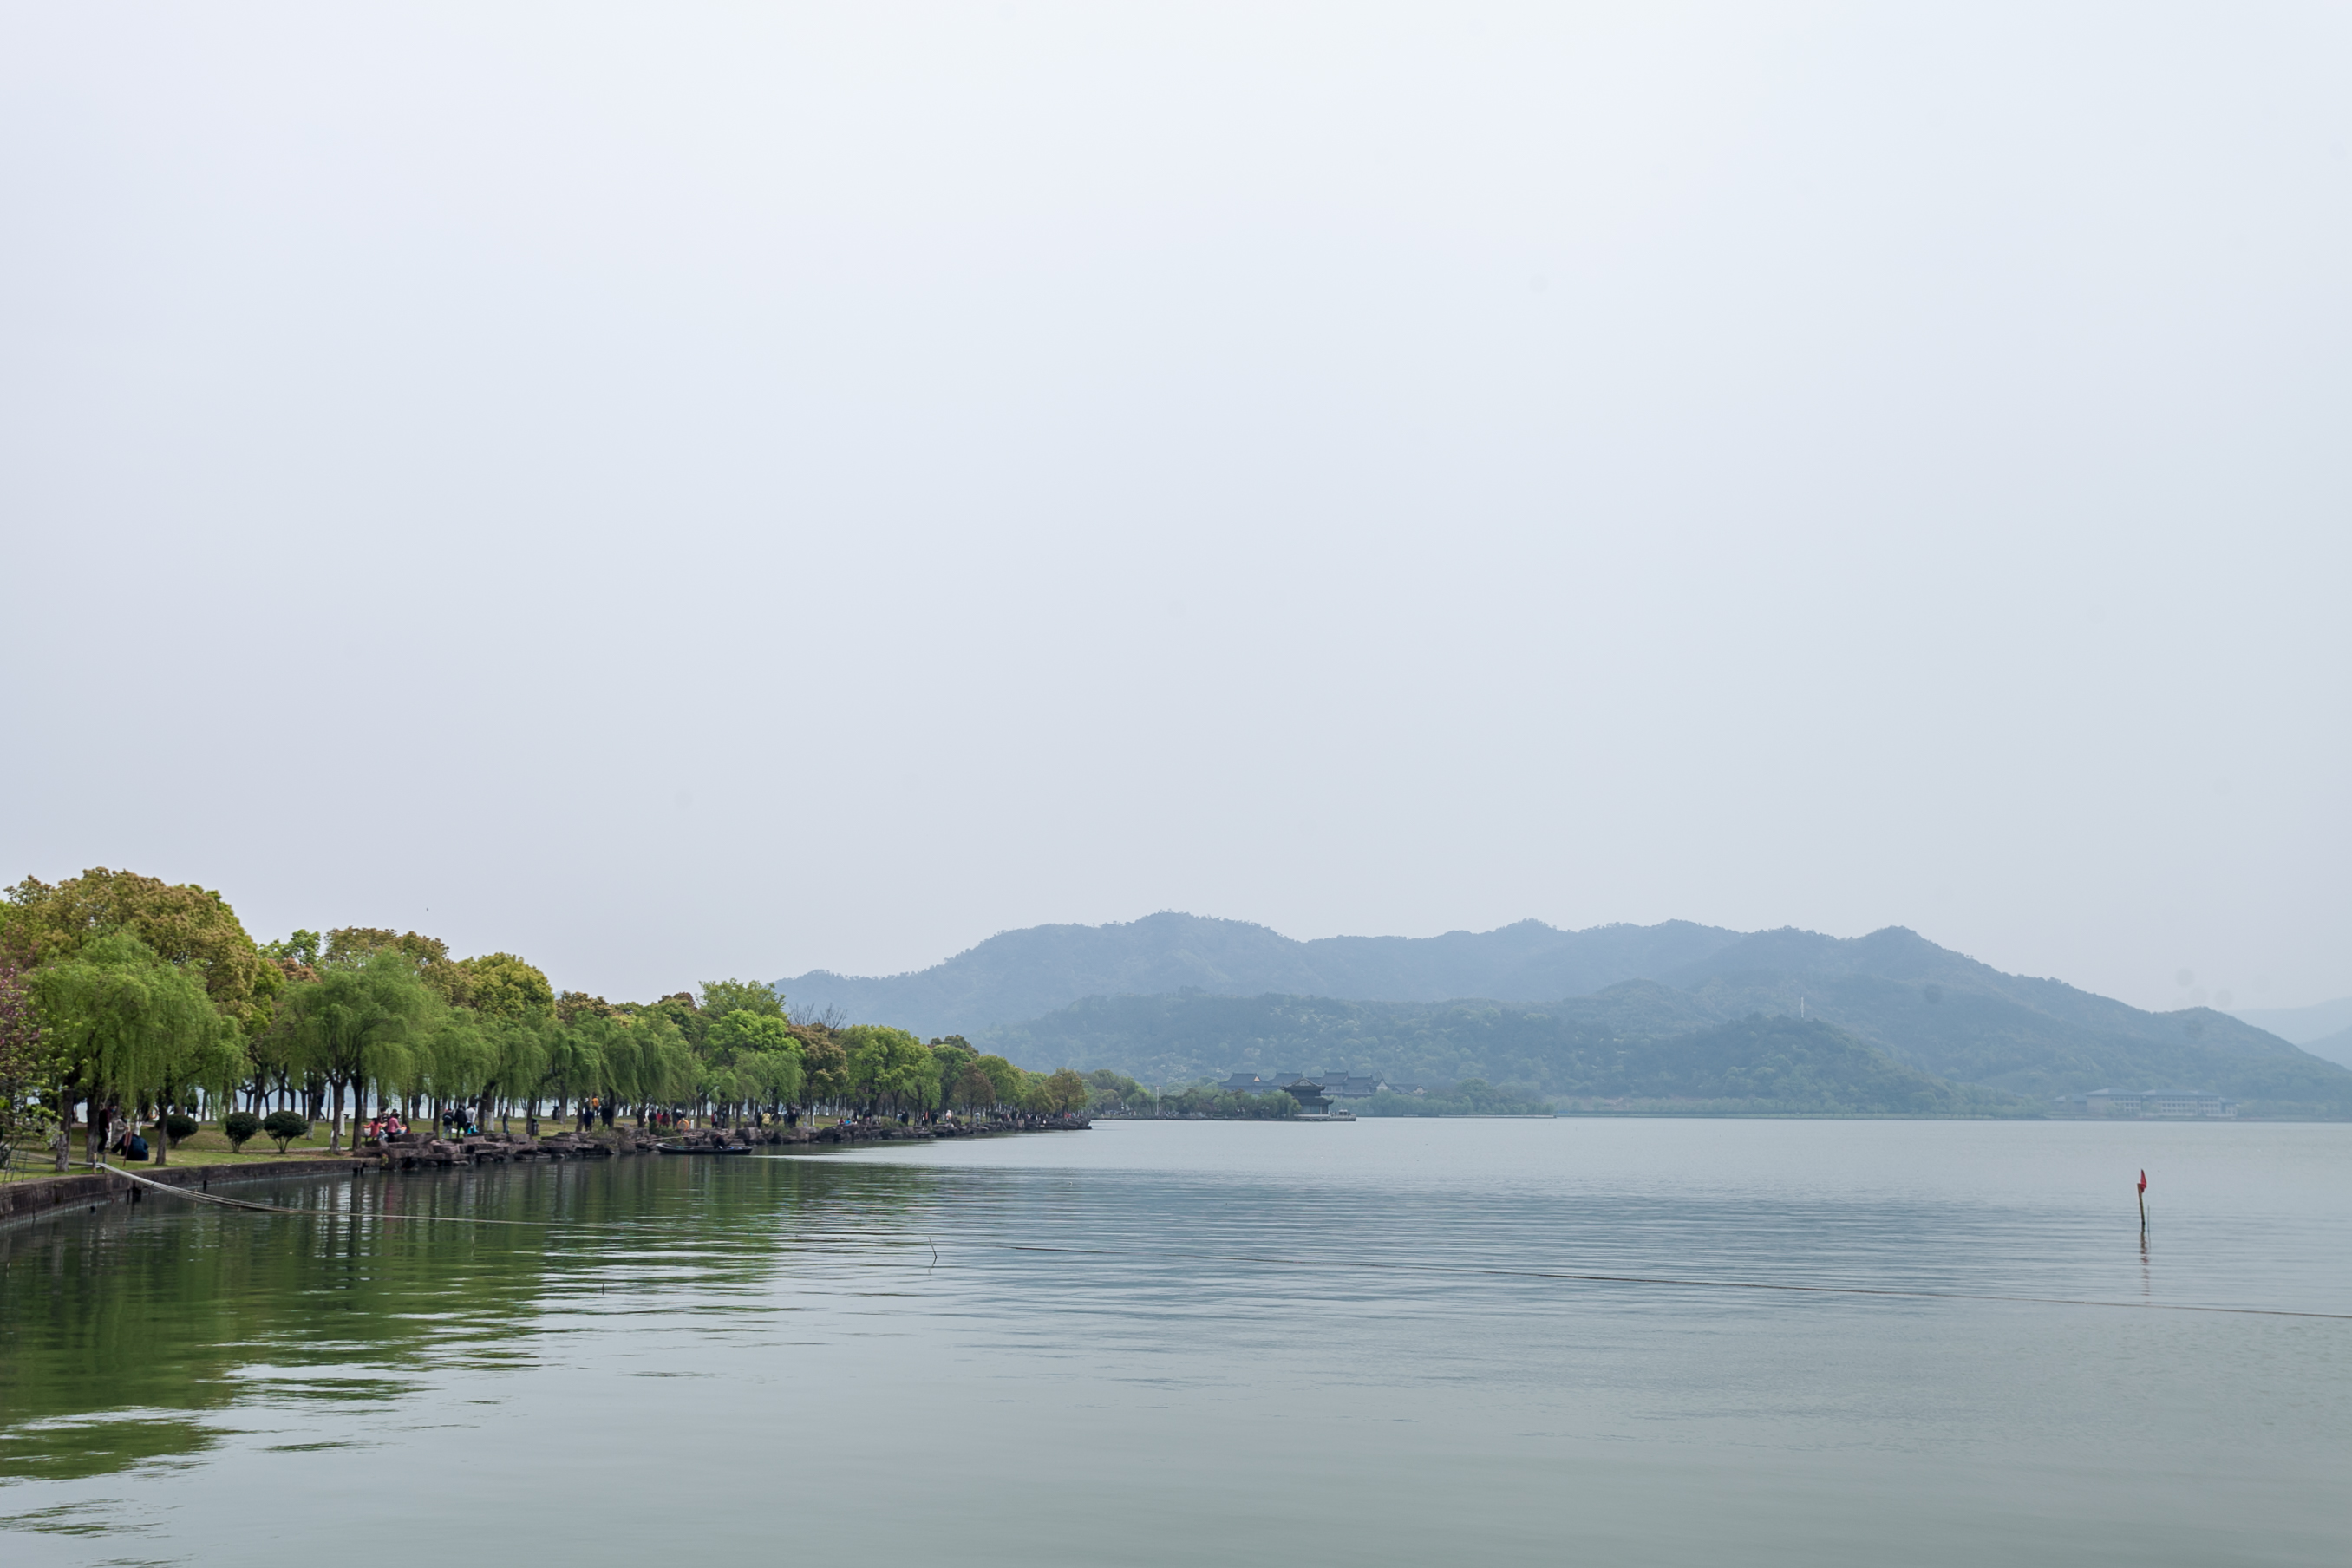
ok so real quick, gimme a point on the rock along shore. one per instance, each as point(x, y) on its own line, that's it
point(413, 1151)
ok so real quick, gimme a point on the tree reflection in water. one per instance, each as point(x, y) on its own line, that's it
point(133, 1334)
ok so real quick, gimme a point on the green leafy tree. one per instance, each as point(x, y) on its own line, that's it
point(762, 1055)
point(654, 1053)
point(1066, 1091)
point(457, 1060)
point(720, 997)
point(1009, 1080)
point(742, 1030)
point(361, 1022)
point(571, 1006)
point(825, 1060)
point(429, 955)
point(132, 1027)
point(187, 927)
point(1107, 1090)
point(239, 1128)
point(574, 1065)
point(890, 1069)
point(501, 985)
point(302, 950)
point(30, 1067)
point(689, 1020)
point(518, 1054)
point(971, 1089)
point(955, 1056)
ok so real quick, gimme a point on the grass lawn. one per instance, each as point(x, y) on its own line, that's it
point(208, 1147)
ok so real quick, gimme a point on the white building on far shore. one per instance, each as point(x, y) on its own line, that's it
point(2172, 1104)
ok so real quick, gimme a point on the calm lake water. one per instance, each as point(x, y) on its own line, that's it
point(1167, 1344)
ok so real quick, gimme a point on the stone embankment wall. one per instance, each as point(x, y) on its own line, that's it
point(49, 1194)
point(413, 1151)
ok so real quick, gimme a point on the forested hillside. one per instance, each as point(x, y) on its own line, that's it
point(1966, 1021)
point(1019, 975)
point(1911, 1004)
point(1639, 1041)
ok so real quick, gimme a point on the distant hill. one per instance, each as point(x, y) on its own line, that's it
point(1019, 975)
point(1906, 1002)
point(2301, 1026)
point(1970, 1023)
point(2334, 1047)
point(1639, 1041)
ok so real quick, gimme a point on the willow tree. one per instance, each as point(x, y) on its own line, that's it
point(575, 1062)
point(515, 1009)
point(649, 1060)
point(127, 1027)
point(361, 1022)
point(458, 1058)
point(517, 1063)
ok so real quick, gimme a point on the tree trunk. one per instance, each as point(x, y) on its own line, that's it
point(334, 1115)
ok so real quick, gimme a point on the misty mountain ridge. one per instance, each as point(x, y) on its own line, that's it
point(1598, 1012)
point(1019, 975)
point(2336, 1047)
point(2324, 1028)
point(2003, 1042)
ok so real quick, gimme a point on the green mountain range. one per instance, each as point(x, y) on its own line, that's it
point(1889, 1022)
point(1018, 974)
point(1676, 1014)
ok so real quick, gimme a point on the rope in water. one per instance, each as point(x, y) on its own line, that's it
point(205, 1198)
point(1356, 1264)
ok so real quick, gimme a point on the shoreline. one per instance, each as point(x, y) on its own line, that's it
point(25, 1201)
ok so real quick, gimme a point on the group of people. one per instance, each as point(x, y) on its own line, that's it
point(385, 1127)
point(590, 1110)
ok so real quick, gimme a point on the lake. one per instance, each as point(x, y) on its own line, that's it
point(1172, 1343)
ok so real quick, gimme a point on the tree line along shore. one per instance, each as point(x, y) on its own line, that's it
point(127, 1001)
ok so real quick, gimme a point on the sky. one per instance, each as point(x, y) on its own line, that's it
point(678, 491)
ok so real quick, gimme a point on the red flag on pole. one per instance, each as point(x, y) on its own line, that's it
point(2143, 1181)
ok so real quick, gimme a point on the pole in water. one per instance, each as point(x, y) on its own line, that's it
point(2143, 1203)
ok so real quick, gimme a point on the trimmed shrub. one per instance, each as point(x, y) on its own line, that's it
point(238, 1127)
point(180, 1127)
point(286, 1126)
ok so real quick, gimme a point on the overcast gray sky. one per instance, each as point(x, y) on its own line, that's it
point(693, 491)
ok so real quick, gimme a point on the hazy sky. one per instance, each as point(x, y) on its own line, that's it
point(692, 490)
